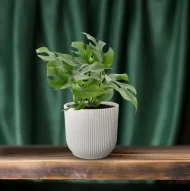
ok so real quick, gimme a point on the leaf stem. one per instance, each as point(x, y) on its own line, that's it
point(75, 99)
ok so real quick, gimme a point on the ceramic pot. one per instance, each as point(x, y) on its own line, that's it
point(91, 133)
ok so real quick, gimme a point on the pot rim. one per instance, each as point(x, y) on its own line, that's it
point(114, 104)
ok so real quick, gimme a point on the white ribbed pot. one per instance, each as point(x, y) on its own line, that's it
point(91, 133)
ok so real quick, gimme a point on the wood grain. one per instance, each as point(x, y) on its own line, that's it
point(125, 163)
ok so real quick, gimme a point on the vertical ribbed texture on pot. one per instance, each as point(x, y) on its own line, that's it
point(92, 133)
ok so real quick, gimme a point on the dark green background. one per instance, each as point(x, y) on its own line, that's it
point(149, 38)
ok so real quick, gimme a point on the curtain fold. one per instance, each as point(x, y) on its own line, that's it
point(149, 39)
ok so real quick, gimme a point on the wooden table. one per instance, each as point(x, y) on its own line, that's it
point(125, 163)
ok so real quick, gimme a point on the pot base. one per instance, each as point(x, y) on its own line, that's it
point(91, 157)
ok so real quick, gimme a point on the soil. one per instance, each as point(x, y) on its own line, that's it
point(101, 106)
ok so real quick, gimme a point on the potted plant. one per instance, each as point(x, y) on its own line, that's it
point(91, 119)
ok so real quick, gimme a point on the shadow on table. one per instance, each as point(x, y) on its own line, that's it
point(92, 186)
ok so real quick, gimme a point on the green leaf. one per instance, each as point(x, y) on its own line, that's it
point(86, 83)
point(43, 50)
point(83, 66)
point(57, 84)
point(81, 105)
point(65, 86)
point(50, 56)
point(97, 54)
point(55, 69)
point(95, 67)
point(79, 60)
point(108, 79)
point(66, 58)
point(83, 51)
point(88, 54)
point(90, 37)
point(78, 45)
point(100, 44)
point(96, 102)
point(127, 86)
point(114, 77)
point(76, 106)
point(119, 77)
point(88, 92)
point(106, 96)
point(82, 76)
point(46, 58)
point(126, 95)
point(97, 50)
point(108, 57)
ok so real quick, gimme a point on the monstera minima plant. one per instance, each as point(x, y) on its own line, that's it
point(91, 119)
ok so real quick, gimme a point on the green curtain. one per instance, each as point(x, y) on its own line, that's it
point(149, 38)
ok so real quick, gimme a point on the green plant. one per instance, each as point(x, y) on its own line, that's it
point(85, 73)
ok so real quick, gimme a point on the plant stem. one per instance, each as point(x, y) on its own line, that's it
point(75, 99)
